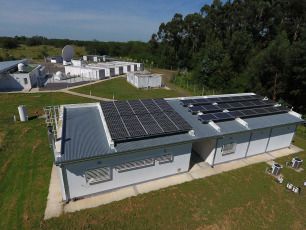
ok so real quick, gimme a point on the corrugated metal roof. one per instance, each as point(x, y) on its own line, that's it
point(4, 66)
point(84, 136)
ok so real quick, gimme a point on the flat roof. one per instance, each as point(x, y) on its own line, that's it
point(28, 69)
point(84, 135)
point(7, 65)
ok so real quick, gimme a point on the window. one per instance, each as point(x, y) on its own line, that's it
point(98, 175)
point(165, 158)
point(134, 165)
point(229, 148)
point(25, 81)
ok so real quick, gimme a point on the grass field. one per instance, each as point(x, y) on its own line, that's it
point(245, 198)
point(36, 52)
point(122, 90)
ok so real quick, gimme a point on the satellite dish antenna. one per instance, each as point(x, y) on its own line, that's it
point(67, 54)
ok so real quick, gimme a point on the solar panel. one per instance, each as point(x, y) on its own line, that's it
point(163, 105)
point(257, 96)
point(123, 108)
point(151, 106)
point(211, 108)
point(268, 102)
point(247, 98)
point(223, 116)
point(247, 104)
point(195, 109)
point(259, 103)
point(272, 109)
point(236, 105)
point(138, 107)
point(205, 118)
point(187, 102)
point(213, 99)
point(149, 124)
point(225, 106)
point(201, 101)
point(225, 99)
point(165, 123)
point(236, 113)
point(133, 126)
point(237, 98)
point(248, 112)
point(116, 127)
point(109, 109)
point(179, 121)
point(260, 111)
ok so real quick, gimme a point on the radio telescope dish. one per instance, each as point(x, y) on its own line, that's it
point(68, 53)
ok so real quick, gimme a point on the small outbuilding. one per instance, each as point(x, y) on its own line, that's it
point(144, 79)
point(18, 75)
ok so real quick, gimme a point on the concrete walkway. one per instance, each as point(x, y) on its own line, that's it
point(199, 170)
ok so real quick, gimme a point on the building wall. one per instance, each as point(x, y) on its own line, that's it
point(76, 172)
point(96, 74)
point(281, 137)
point(19, 80)
point(242, 141)
point(259, 141)
point(248, 144)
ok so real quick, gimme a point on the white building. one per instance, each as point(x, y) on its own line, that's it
point(109, 145)
point(144, 79)
point(85, 71)
point(18, 75)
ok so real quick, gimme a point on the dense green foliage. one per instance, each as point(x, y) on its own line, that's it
point(257, 46)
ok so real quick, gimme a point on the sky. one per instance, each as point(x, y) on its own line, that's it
point(111, 20)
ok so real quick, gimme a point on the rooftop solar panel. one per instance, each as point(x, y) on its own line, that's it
point(201, 101)
point(213, 99)
point(225, 99)
point(211, 108)
point(205, 118)
point(236, 113)
point(248, 112)
point(187, 102)
point(225, 106)
point(223, 116)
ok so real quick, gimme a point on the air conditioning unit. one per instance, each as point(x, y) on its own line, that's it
point(296, 163)
point(276, 169)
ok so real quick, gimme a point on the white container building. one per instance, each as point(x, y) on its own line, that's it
point(144, 79)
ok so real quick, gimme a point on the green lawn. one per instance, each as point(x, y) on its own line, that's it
point(25, 160)
point(245, 198)
point(122, 90)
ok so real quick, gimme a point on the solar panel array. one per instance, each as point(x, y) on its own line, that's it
point(227, 108)
point(207, 101)
point(133, 119)
point(245, 113)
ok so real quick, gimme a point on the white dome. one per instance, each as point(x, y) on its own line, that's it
point(59, 73)
point(21, 67)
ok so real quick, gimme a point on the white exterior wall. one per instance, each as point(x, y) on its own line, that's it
point(85, 58)
point(281, 137)
point(118, 70)
point(93, 73)
point(259, 141)
point(241, 148)
point(17, 80)
point(148, 81)
point(76, 172)
point(140, 67)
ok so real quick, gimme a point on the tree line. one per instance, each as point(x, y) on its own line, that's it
point(241, 46)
